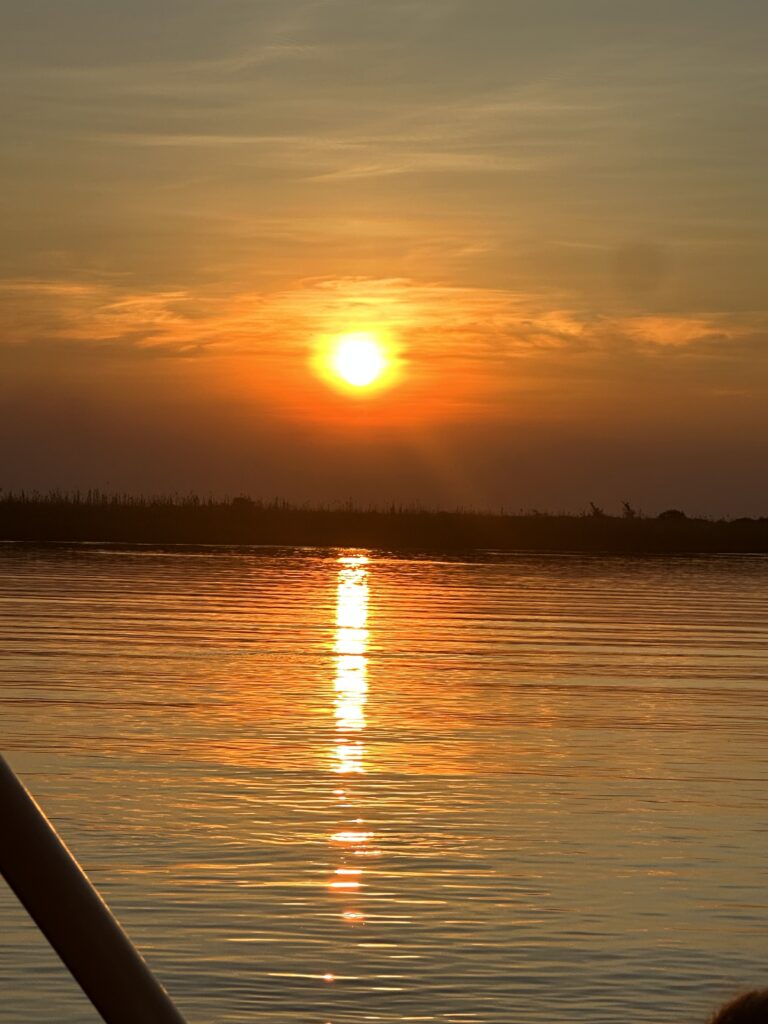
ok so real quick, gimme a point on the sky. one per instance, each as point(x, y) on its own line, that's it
point(554, 214)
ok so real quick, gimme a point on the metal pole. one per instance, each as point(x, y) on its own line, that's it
point(72, 916)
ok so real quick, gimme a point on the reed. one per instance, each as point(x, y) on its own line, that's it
point(193, 520)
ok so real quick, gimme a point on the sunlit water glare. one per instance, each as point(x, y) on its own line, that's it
point(337, 787)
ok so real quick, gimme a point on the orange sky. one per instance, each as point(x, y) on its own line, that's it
point(553, 212)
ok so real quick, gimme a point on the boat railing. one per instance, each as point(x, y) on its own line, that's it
point(68, 910)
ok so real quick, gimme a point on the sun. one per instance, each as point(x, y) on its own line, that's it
point(358, 359)
point(359, 363)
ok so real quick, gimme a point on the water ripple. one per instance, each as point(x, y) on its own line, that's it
point(337, 787)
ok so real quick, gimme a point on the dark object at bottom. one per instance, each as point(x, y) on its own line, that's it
point(70, 913)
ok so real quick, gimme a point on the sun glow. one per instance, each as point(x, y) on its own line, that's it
point(360, 361)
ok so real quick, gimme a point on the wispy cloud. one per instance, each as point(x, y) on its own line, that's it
point(431, 320)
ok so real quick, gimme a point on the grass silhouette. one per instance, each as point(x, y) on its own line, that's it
point(60, 517)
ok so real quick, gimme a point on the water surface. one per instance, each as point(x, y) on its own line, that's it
point(326, 787)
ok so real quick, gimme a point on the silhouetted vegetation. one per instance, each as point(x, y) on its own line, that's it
point(672, 513)
point(94, 516)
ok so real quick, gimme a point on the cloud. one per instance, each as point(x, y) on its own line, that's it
point(510, 146)
point(433, 321)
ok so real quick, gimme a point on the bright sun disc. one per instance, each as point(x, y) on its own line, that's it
point(358, 359)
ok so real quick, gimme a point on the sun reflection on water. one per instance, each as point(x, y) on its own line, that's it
point(350, 646)
point(351, 838)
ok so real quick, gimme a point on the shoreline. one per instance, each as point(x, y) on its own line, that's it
point(243, 522)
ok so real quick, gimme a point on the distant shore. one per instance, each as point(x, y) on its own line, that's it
point(190, 520)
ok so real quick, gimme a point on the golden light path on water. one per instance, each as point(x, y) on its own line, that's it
point(559, 760)
point(352, 839)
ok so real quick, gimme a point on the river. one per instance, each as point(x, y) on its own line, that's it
point(333, 787)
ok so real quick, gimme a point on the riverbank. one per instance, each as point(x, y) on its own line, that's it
point(242, 521)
